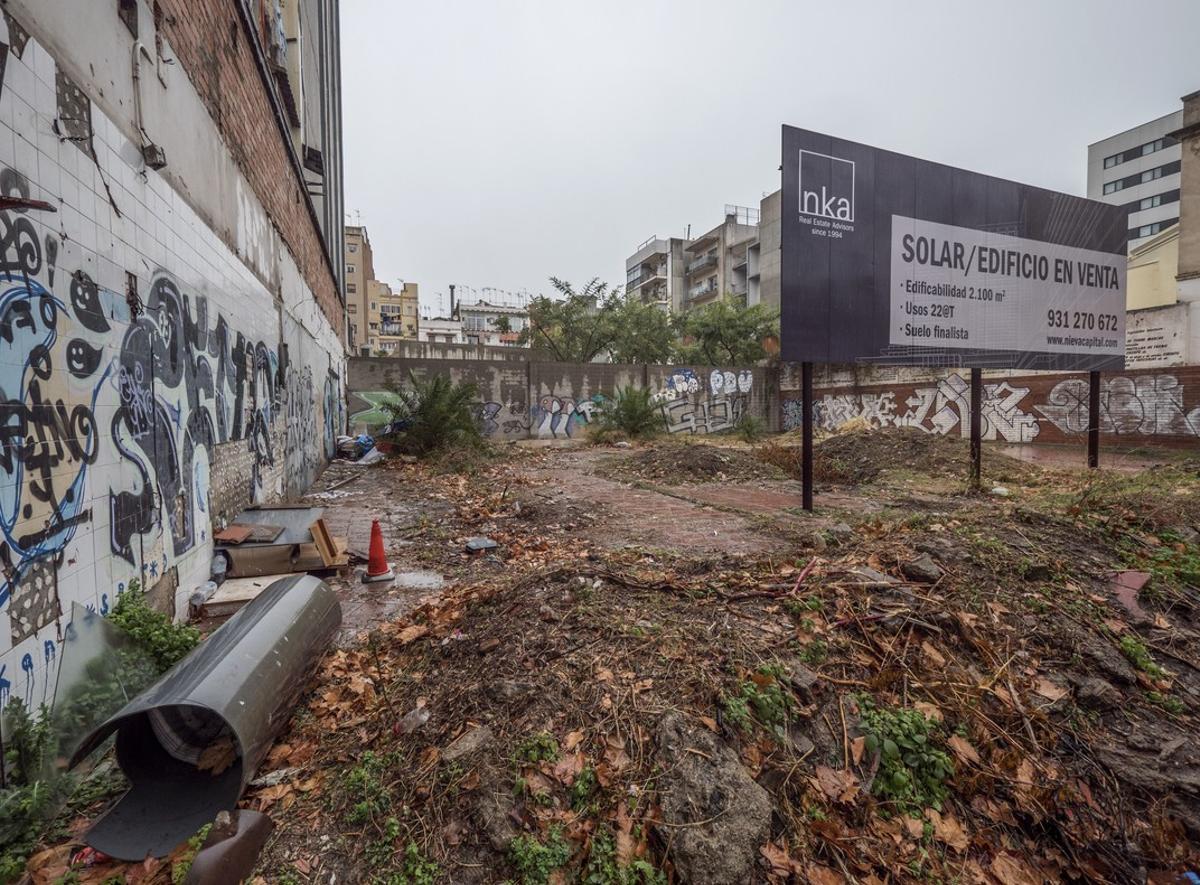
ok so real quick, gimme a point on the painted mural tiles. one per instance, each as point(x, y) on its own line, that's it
point(1163, 405)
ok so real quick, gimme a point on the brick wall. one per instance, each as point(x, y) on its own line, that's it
point(224, 72)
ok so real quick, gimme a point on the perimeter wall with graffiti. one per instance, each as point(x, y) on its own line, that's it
point(545, 400)
point(156, 375)
point(1150, 406)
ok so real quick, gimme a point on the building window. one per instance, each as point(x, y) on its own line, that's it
point(1113, 186)
point(1149, 230)
point(351, 287)
point(1142, 150)
point(1151, 202)
point(349, 268)
point(353, 308)
point(374, 305)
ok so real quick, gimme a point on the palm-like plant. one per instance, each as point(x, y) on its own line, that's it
point(433, 414)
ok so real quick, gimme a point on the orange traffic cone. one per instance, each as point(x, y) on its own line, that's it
point(378, 569)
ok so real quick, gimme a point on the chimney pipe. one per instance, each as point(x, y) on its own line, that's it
point(452, 301)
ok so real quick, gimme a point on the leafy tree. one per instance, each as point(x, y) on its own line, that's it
point(725, 333)
point(574, 329)
point(503, 324)
point(642, 333)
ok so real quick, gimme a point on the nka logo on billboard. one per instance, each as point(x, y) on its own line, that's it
point(826, 186)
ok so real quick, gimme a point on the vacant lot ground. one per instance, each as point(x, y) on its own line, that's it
point(666, 671)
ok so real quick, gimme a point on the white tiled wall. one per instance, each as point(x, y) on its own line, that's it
point(87, 414)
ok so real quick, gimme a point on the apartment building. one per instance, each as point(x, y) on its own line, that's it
point(399, 315)
point(492, 324)
point(173, 273)
point(1140, 170)
point(359, 272)
point(681, 274)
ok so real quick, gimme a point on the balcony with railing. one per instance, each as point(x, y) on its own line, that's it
point(704, 290)
point(702, 263)
point(644, 276)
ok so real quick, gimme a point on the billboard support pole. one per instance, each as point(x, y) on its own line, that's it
point(1093, 420)
point(806, 439)
point(976, 427)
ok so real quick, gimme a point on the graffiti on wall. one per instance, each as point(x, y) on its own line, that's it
point(563, 416)
point(1149, 405)
point(688, 405)
point(114, 401)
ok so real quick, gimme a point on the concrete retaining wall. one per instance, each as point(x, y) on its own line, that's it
point(520, 400)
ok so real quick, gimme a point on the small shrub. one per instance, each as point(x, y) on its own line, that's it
point(1137, 653)
point(535, 861)
point(366, 792)
point(749, 428)
point(912, 771)
point(761, 698)
point(582, 788)
point(165, 642)
point(630, 413)
point(604, 868)
point(1168, 703)
point(539, 748)
point(433, 415)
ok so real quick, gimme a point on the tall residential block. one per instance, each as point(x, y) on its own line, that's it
point(1139, 169)
point(171, 308)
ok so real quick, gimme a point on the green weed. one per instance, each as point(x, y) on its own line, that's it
point(535, 861)
point(603, 868)
point(1137, 653)
point(912, 770)
point(538, 748)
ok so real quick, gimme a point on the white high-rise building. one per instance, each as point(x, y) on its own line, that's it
point(1139, 169)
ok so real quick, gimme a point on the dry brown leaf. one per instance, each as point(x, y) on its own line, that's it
point(217, 756)
point(930, 711)
point(819, 875)
point(1049, 690)
point(857, 747)
point(567, 768)
point(779, 863)
point(947, 830)
point(411, 632)
point(710, 724)
point(933, 657)
point(572, 740)
point(839, 786)
point(614, 753)
point(1011, 870)
point(963, 750)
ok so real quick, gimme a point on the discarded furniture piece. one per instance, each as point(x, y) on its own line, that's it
point(279, 540)
point(236, 593)
point(191, 742)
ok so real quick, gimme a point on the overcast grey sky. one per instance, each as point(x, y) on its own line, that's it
point(496, 143)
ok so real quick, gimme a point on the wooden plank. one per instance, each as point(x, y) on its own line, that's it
point(235, 593)
point(324, 542)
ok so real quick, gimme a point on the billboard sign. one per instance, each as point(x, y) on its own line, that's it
point(893, 260)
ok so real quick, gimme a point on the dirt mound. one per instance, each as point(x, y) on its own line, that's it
point(859, 456)
point(677, 464)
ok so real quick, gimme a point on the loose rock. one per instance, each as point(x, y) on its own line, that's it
point(923, 570)
point(467, 743)
point(717, 815)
